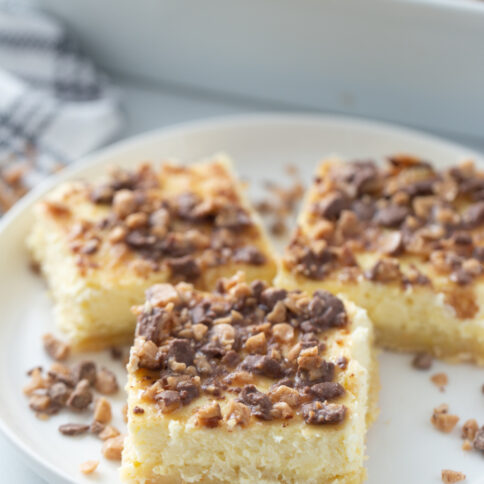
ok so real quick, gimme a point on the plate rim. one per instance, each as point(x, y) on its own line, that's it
point(32, 459)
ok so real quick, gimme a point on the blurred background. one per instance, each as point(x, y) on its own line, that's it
point(75, 75)
point(78, 74)
point(418, 63)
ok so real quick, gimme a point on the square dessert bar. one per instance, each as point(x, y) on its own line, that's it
point(101, 245)
point(248, 384)
point(404, 241)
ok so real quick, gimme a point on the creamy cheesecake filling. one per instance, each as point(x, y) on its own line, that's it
point(406, 242)
point(101, 245)
point(249, 383)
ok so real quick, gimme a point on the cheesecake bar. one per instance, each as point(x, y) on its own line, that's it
point(249, 383)
point(101, 245)
point(403, 240)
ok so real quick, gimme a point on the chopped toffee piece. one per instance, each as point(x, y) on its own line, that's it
point(191, 344)
point(442, 420)
point(479, 440)
point(56, 349)
point(73, 429)
point(72, 387)
point(108, 432)
point(323, 413)
point(440, 379)
point(450, 477)
point(96, 427)
point(102, 411)
point(469, 429)
point(89, 466)
point(209, 415)
point(113, 447)
point(422, 361)
point(466, 445)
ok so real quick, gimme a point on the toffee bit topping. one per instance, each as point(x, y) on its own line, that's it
point(237, 414)
point(168, 400)
point(249, 255)
point(184, 233)
point(327, 390)
point(259, 403)
point(263, 365)
point(191, 344)
point(209, 415)
point(332, 206)
point(391, 216)
point(400, 209)
point(138, 410)
point(185, 266)
point(148, 355)
point(385, 270)
point(323, 413)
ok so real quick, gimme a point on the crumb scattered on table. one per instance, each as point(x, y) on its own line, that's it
point(469, 429)
point(422, 361)
point(89, 466)
point(280, 203)
point(113, 447)
point(56, 349)
point(440, 379)
point(467, 445)
point(449, 476)
point(442, 420)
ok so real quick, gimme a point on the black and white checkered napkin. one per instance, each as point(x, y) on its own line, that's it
point(54, 105)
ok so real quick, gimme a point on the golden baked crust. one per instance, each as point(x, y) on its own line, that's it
point(247, 383)
point(406, 242)
point(100, 245)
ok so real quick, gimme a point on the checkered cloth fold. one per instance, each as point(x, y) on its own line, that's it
point(55, 106)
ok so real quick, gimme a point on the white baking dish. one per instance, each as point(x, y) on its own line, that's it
point(414, 62)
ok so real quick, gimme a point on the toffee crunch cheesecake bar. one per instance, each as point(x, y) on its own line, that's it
point(249, 383)
point(405, 242)
point(101, 245)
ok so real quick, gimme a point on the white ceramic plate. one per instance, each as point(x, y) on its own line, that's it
point(403, 447)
